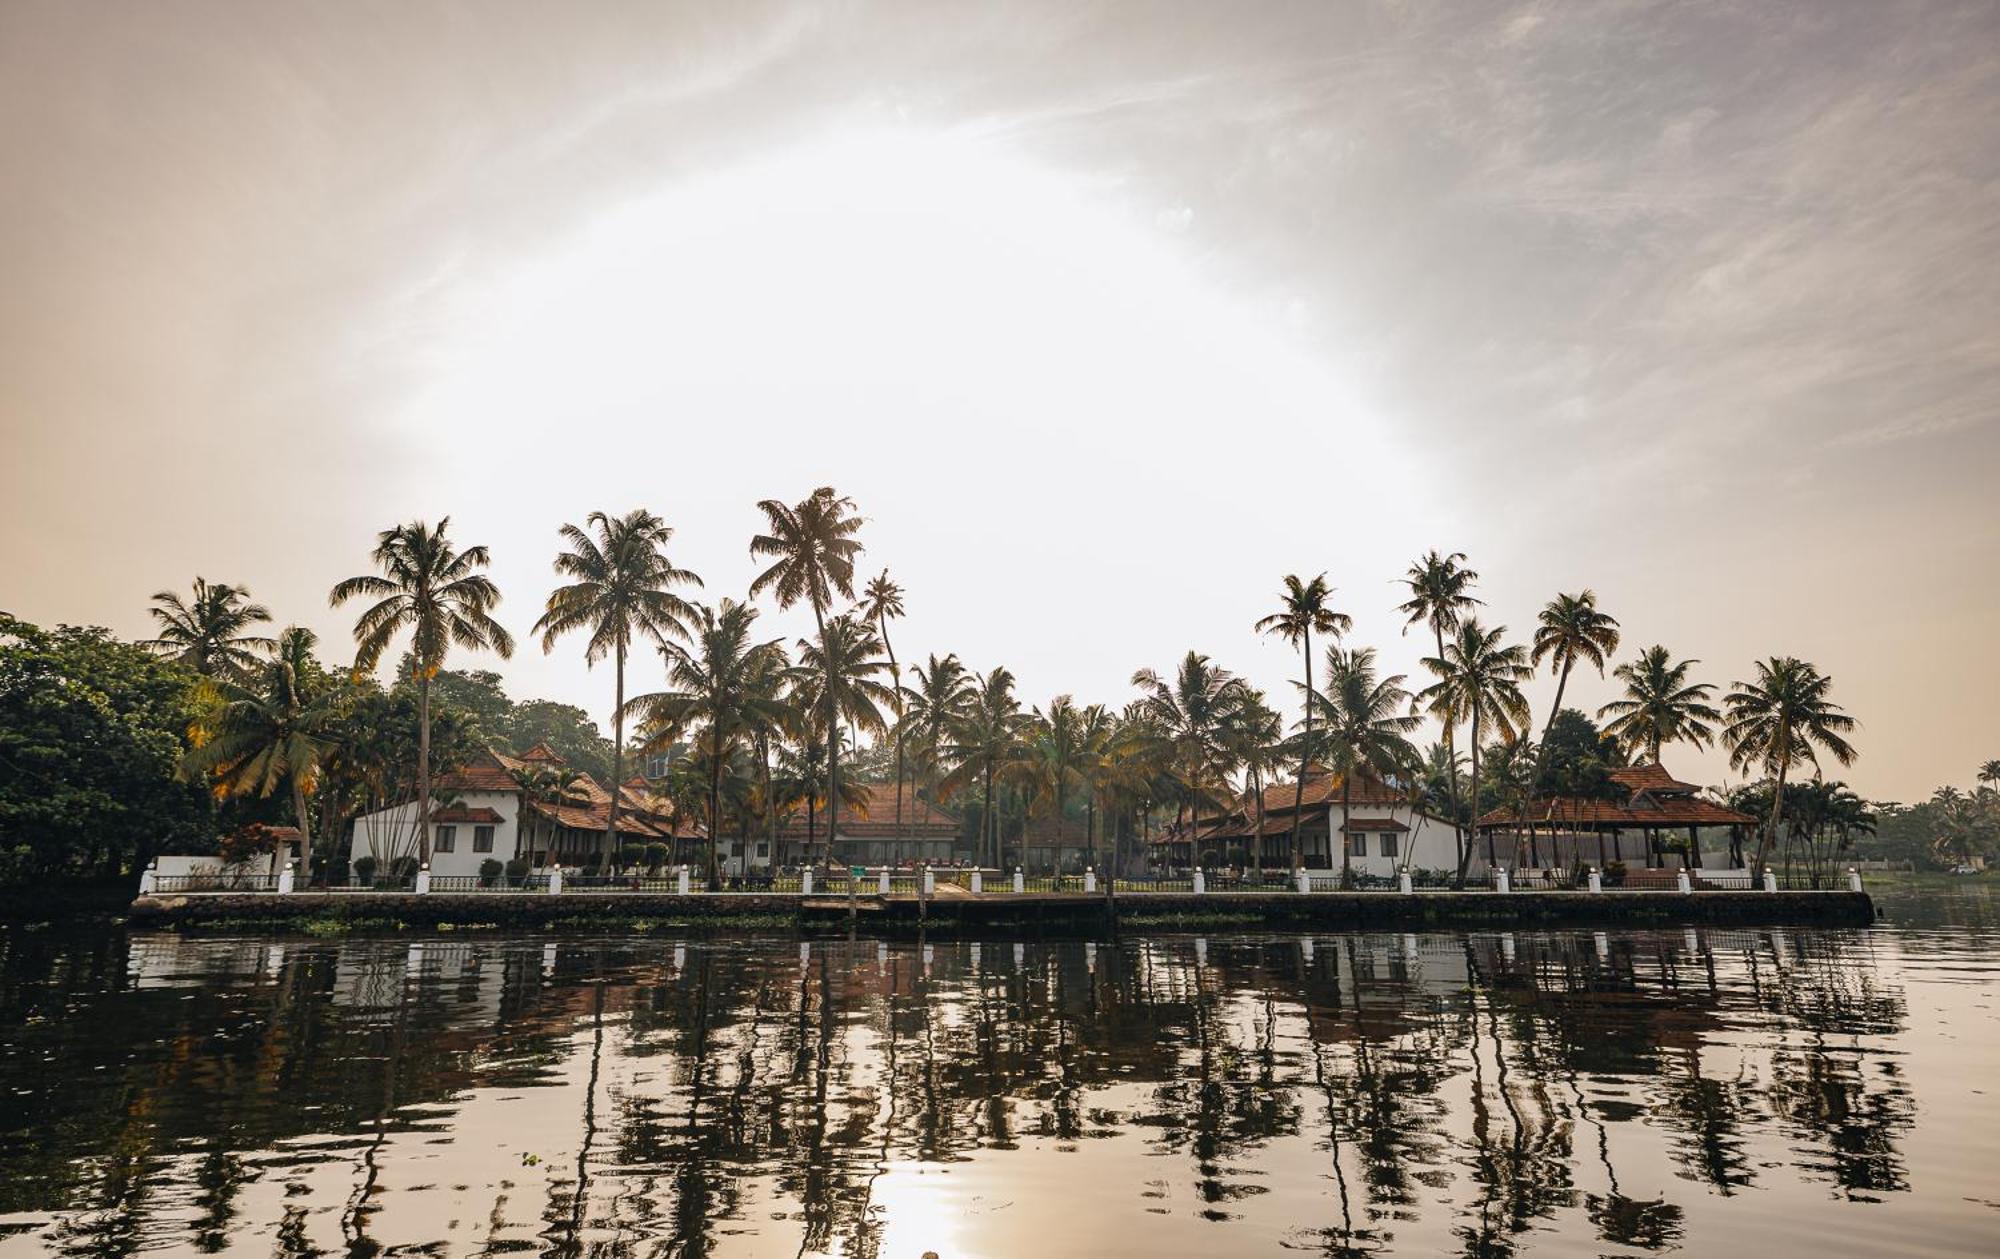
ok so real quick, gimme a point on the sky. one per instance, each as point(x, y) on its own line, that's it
point(1107, 316)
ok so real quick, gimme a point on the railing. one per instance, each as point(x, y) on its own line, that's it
point(1162, 883)
point(247, 883)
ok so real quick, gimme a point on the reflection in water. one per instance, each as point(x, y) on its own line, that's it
point(1340, 1094)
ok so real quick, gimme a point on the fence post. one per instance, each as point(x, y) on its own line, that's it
point(285, 880)
point(1302, 881)
point(1596, 880)
point(882, 882)
point(806, 881)
point(930, 882)
point(681, 881)
point(1853, 879)
point(1020, 883)
point(1770, 879)
point(1682, 882)
point(1403, 882)
point(1089, 880)
point(423, 879)
point(555, 880)
point(149, 878)
point(1200, 882)
point(1502, 883)
point(978, 882)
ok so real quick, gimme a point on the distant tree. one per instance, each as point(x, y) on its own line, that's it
point(568, 731)
point(1479, 681)
point(1660, 705)
point(943, 693)
point(1193, 712)
point(1440, 589)
point(882, 602)
point(983, 748)
point(839, 680)
point(207, 631)
point(1304, 609)
point(1368, 725)
point(436, 592)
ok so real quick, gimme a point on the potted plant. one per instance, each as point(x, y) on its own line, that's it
point(489, 871)
point(364, 870)
point(517, 871)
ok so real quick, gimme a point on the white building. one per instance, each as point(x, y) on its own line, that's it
point(1382, 832)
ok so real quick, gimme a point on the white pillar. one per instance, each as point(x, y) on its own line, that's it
point(1853, 879)
point(423, 879)
point(1682, 882)
point(681, 881)
point(978, 882)
point(930, 882)
point(555, 880)
point(1596, 880)
point(1303, 880)
point(806, 881)
point(1603, 943)
point(1020, 882)
point(1403, 882)
point(1090, 880)
point(1200, 882)
point(285, 880)
point(1770, 879)
point(882, 882)
point(1306, 949)
point(1507, 947)
point(1501, 883)
point(149, 878)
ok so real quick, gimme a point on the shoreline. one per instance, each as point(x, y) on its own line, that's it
point(905, 915)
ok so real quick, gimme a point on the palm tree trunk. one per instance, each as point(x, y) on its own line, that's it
point(1305, 760)
point(1451, 775)
point(896, 677)
point(1464, 848)
point(1777, 819)
point(423, 764)
point(714, 807)
point(1542, 758)
point(1346, 840)
point(617, 761)
point(305, 829)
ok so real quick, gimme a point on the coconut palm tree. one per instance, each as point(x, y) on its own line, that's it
point(1302, 612)
point(207, 630)
point(621, 590)
point(272, 731)
point(943, 693)
point(1440, 596)
point(1660, 706)
point(716, 698)
point(1368, 723)
point(1096, 744)
point(1781, 718)
point(1571, 628)
point(812, 548)
point(1193, 711)
point(840, 681)
point(1479, 681)
point(882, 602)
point(1052, 756)
point(1257, 746)
point(1989, 773)
point(435, 591)
point(983, 747)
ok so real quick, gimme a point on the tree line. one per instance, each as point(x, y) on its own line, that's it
point(760, 728)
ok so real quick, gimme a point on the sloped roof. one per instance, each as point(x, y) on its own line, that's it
point(1651, 777)
point(875, 817)
point(1641, 812)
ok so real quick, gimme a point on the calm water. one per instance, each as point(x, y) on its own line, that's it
point(1775, 1093)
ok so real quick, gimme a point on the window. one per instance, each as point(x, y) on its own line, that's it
point(764, 848)
point(1389, 843)
point(1357, 843)
point(482, 839)
point(447, 839)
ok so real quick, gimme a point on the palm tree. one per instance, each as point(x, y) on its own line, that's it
point(1780, 719)
point(435, 591)
point(882, 602)
point(1989, 773)
point(839, 681)
point(271, 731)
point(1660, 706)
point(1440, 597)
point(620, 590)
point(1257, 746)
point(1097, 732)
point(1303, 612)
point(943, 693)
point(984, 749)
point(1368, 724)
point(1052, 758)
point(812, 547)
point(715, 698)
point(206, 631)
point(1193, 711)
point(1570, 628)
point(1479, 680)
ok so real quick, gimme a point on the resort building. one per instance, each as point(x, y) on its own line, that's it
point(866, 832)
point(1650, 807)
point(499, 807)
point(1383, 832)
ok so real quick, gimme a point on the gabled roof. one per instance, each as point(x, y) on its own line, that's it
point(1651, 777)
point(480, 816)
point(875, 817)
point(1640, 813)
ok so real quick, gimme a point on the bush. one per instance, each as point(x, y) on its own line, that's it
point(656, 856)
point(517, 869)
point(489, 872)
point(1614, 874)
point(403, 870)
point(364, 870)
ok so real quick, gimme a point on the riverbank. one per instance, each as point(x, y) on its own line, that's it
point(903, 915)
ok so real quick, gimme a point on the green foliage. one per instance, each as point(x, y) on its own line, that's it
point(92, 732)
point(490, 871)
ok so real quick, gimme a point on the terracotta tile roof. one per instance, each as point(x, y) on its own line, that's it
point(875, 818)
point(1373, 824)
point(1322, 789)
point(1637, 814)
point(480, 816)
point(485, 772)
point(1653, 777)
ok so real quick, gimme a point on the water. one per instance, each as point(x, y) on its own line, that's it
point(1776, 1093)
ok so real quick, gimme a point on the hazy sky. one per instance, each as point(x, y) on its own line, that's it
point(1107, 315)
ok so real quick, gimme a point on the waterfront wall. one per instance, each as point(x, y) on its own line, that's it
point(901, 915)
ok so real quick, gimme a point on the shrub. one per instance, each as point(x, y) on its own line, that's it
point(489, 871)
point(1614, 874)
point(517, 869)
point(656, 856)
point(403, 870)
point(364, 870)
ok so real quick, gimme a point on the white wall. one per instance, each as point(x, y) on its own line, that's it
point(1427, 844)
point(386, 833)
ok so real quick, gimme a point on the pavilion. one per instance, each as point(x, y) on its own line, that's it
point(1561, 832)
